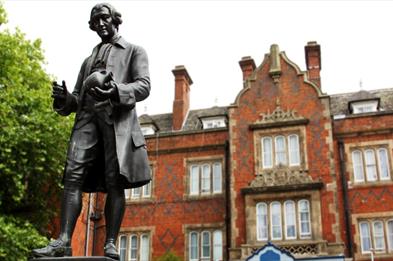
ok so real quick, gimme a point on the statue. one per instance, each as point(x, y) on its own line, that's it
point(107, 150)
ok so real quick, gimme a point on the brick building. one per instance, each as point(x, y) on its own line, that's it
point(285, 163)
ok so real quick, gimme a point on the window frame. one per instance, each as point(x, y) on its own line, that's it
point(137, 250)
point(198, 171)
point(199, 248)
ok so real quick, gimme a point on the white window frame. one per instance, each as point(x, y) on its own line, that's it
point(133, 248)
point(357, 163)
point(280, 151)
point(389, 234)
point(262, 218)
point(371, 164)
point(303, 234)
point(383, 161)
point(277, 224)
point(203, 245)
point(205, 178)
point(287, 219)
point(378, 235)
point(217, 245)
point(293, 149)
point(364, 237)
point(267, 153)
point(121, 248)
point(193, 246)
point(144, 251)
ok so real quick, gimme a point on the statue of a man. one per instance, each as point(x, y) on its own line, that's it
point(107, 151)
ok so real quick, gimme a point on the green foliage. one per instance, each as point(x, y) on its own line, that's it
point(17, 238)
point(33, 138)
point(169, 256)
point(3, 15)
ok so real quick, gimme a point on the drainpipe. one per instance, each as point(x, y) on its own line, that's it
point(227, 199)
point(347, 212)
point(87, 235)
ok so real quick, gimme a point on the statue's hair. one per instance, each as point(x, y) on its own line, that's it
point(116, 16)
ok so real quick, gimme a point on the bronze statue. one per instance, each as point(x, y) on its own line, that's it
point(107, 150)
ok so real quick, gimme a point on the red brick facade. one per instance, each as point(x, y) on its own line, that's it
point(284, 163)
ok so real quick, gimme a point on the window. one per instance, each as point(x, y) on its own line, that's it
point(287, 221)
point(134, 247)
point(364, 106)
point(140, 193)
point(371, 164)
point(205, 178)
point(148, 129)
point(376, 235)
point(215, 122)
point(285, 151)
point(205, 245)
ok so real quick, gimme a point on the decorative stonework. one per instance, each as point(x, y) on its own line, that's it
point(281, 177)
point(279, 115)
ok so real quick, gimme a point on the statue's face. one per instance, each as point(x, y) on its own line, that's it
point(103, 23)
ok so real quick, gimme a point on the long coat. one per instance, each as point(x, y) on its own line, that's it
point(129, 65)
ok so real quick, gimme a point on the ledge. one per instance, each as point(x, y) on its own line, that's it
point(282, 188)
point(268, 125)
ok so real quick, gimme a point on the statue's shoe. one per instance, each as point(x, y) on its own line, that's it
point(56, 248)
point(111, 251)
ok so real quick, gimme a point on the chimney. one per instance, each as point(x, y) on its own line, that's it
point(247, 65)
point(181, 103)
point(313, 62)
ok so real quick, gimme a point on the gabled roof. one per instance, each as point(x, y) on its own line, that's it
point(339, 102)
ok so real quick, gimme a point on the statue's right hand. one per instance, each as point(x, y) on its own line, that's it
point(59, 91)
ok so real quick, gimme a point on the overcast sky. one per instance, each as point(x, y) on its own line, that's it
point(210, 37)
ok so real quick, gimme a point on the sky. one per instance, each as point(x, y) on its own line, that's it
point(210, 37)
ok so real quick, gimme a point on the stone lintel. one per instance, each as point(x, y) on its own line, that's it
point(282, 188)
point(287, 123)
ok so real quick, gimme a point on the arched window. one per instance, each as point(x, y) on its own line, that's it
point(357, 162)
point(145, 247)
point(290, 219)
point(267, 152)
point(205, 180)
point(194, 180)
point(304, 218)
point(275, 219)
point(280, 149)
point(371, 168)
point(133, 248)
point(365, 238)
point(294, 151)
point(383, 161)
point(217, 178)
point(123, 248)
point(262, 226)
point(193, 248)
point(206, 245)
point(390, 235)
point(379, 236)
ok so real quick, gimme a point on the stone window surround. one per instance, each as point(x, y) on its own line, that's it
point(139, 231)
point(284, 131)
point(356, 219)
point(211, 227)
point(201, 160)
point(350, 147)
point(251, 200)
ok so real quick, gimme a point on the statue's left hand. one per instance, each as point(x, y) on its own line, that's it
point(105, 94)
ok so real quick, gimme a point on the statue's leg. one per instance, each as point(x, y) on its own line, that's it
point(115, 200)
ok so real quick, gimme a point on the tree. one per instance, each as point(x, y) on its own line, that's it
point(33, 138)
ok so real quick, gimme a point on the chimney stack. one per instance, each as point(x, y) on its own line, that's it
point(247, 65)
point(181, 104)
point(313, 62)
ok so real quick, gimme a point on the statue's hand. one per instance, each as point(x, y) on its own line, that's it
point(59, 92)
point(110, 92)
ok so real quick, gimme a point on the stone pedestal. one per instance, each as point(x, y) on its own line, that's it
point(74, 258)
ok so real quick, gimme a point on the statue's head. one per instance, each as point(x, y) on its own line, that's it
point(105, 20)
